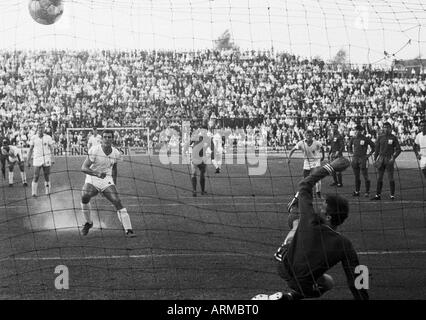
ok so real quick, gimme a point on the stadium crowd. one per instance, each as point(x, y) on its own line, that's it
point(278, 95)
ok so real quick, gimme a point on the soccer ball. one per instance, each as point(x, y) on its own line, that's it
point(46, 11)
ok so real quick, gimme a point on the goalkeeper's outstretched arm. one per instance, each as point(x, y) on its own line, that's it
point(306, 209)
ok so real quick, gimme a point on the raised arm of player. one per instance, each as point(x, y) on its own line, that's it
point(350, 262)
point(86, 169)
point(306, 208)
point(114, 173)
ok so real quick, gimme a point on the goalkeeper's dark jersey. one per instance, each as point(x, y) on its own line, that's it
point(316, 247)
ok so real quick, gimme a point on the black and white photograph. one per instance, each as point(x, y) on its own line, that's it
point(226, 151)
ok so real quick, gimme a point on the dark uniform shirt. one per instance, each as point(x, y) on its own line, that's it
point(387, 146)
point(316, 247)
point(337, 145)
point(358, 145)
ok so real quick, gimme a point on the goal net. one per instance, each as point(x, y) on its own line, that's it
point(256, 75)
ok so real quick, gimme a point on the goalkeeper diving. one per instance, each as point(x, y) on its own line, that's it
point(313, 245)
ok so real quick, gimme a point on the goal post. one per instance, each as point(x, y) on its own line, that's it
point(129, 140)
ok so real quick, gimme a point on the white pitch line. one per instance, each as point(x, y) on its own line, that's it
point(191, 255)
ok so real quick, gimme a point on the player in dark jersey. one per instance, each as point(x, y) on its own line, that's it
point(3, 158)
point(316, 246)
point(387, 149)
point(358, 147)
point(337, 145)
point(199, 145)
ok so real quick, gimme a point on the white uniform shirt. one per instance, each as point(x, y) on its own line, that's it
point(101, 162)
point(94, 140)
point(41, 151)
point(421, 141)
point(312, 154)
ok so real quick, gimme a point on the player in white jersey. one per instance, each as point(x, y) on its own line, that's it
point(420, 147)
point(217, 152)
point(313, 156)
point(95, 139)
point(100, 168)
point(14, 156)
point(41, 146)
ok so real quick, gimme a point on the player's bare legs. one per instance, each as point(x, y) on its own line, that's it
point(34, 184)
point(112, 195)
point(23, 174)
point(46, 173)
point(87, 193)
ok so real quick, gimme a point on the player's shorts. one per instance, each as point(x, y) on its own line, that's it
point(42, 162)
point(98, 183)
point(15, 161)
point(309, 165)
point(359, 163)
point(202, 166)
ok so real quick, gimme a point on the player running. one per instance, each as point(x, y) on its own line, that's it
point(313, 155)
point(41, 145)
point(358, 146)
point(420, 147)
point(315, 246)
point(13, 156)
point(100, 168)
point(386, 151)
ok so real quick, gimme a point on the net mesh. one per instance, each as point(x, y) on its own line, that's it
point(274, 69)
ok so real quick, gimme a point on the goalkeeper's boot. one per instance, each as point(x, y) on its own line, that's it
point(87, 226)
point(293, 202)
point(130, 233)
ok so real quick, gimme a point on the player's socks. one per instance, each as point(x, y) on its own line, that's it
point(202, 183)
point(424, 172)
point(34, 186)
point(86, 209)
point(124, 218)
point(194, 183)
point(392, 187)
point(10, 177)
point(23, 177)
point(47, 187)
